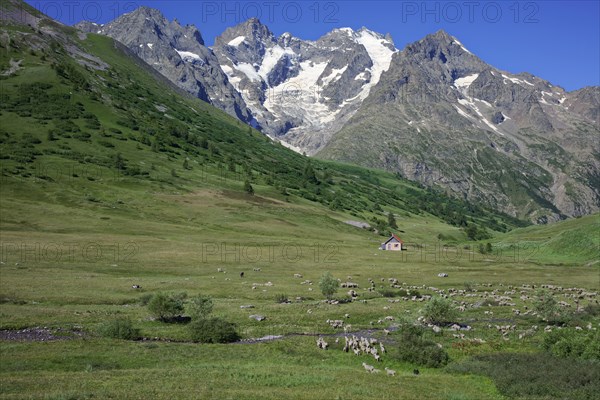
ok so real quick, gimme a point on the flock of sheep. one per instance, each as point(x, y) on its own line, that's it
point(482, 296)
point(361, 345)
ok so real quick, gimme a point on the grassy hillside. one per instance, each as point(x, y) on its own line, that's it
point(85, 103)
point(576, 241)
point(111, 178)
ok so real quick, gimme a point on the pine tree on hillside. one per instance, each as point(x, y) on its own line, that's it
point(248, 188)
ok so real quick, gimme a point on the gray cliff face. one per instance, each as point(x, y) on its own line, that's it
point(442, 116)
point(177, 52)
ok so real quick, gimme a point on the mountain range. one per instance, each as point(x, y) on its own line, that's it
point(433, 112)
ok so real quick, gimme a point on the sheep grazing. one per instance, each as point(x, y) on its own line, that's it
point(256, 269)
point(443, 275)
point(322, 344)
point(390, 372)
point(349, 285)
point(368, 368)
point(335, 323)
point(381, 347)
point(219, 269)
point(136, 287)
point(297, 276)
point(415, 371)
point(352, 293)
point(242, 274)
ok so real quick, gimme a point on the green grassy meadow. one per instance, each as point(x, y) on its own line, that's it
point(100, 191)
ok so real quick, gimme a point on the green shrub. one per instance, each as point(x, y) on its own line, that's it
point(145, 299)
point(439, 311)
point(547, 308)
point(389, 293)
point(166, 307)
point(328, 285)
point(281, 298)
point(414, 348)
point(536, 375)
point(120, 328)
point(566, 343)
point(213, 330)
point(200, 307)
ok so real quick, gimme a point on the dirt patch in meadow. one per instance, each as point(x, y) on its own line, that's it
point(39, 334)
point(230, 194)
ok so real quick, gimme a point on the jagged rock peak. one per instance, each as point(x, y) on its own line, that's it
point(251, 30)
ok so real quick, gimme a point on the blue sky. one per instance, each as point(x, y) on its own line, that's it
point(555, 40)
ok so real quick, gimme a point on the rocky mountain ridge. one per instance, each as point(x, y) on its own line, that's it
point(433, 112)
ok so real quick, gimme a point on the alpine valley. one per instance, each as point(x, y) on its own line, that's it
point(163, 236)
point(434, 112)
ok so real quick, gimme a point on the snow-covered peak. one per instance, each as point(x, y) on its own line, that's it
point(346, 30)
point(294, 86)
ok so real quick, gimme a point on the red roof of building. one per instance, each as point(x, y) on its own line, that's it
point(397, 238)
point(394, 236)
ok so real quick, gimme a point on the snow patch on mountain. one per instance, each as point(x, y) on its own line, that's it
point(465, 82)
point(237, 41)
point(472, 104)
point(248, 70)
point(461, 45)
point(517, 80)
point(272, 57)
point(380, 54)
point(188, 55)
point(287, 145)
point(334, 76)
point(298, 97)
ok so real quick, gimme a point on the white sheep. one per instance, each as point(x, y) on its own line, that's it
point(390, 372)
point(322, 344)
